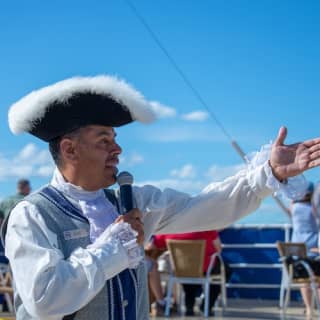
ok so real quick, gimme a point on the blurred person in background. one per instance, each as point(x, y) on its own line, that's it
point(212, 245)
point(1, 216)
point(305, 229)
point(315, 200)
point(23, 189)
point(154, 280)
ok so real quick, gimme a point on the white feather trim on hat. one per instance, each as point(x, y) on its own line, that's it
point(27, 111)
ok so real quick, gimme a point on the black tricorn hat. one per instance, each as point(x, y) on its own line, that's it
point(55, 110)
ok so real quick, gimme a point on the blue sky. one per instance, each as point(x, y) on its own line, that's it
point(255, 64)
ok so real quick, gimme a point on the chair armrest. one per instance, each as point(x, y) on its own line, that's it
point(165, 256)
point(306, 266)
point(213, 257)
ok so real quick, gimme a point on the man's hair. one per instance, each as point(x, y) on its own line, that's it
point(22, 183)
point(54, 146)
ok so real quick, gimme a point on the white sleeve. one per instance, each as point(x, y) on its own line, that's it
point(49, 285)
point(316, 199)
point(219, 204)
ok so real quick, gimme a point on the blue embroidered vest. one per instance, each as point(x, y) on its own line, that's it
point(124, 297)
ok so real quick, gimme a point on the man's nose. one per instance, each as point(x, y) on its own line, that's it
point(117, 149)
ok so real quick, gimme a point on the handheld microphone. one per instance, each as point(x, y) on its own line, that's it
point(125, 180)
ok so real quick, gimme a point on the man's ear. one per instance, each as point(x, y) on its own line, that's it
point(68, 149)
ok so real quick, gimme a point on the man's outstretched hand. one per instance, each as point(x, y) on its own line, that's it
point(290, 160)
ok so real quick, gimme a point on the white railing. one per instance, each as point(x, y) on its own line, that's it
point(285, 227)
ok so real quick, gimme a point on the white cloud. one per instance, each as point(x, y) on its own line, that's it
point(33, 155)
point(269, 213)
point(27, 152)
point(180, 133)
point(187, 171)
point(132, 159)
point(196, 116)
point(187, 180)
point(184, 185)
point(219, 173)
point(163, 111)
point(31, 161)
point(21, 170)
point(45, 171)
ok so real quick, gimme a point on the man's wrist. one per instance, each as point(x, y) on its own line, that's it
point(280, 179)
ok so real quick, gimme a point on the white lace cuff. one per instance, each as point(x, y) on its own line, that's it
point(294, 188)
point(121, 233)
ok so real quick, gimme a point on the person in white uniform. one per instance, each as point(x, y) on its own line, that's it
point(305, 229)
point(72, 253)
point(315, 200)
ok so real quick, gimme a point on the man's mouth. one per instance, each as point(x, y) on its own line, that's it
point(112, 162)
point(111, 166)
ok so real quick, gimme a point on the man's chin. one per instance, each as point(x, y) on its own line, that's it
point(112, 178)
point(116, 170)
point(108, 183)
point(113, 168)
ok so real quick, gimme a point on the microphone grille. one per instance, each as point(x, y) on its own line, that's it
point(124, 178)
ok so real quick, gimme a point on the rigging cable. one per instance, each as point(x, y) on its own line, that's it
point(196, 93)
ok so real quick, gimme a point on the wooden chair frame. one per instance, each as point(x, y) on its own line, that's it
point(6, 285)
point(187, 258)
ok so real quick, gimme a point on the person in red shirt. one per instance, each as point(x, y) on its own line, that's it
point(213, 244)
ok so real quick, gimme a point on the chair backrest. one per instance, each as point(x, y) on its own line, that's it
point(286, 249)
point(187, 257)
point(5, 279)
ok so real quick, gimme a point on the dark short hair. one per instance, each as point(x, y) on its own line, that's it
point(54, 146)
point(23, 182)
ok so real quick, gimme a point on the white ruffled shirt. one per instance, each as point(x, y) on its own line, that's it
point(47, 282)
point(94, 205)
point(101, 214)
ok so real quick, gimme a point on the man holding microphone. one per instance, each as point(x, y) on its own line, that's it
point(74, 252)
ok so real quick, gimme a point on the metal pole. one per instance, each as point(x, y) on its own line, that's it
point(240, 152)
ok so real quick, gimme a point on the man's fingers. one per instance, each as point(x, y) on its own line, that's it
point(134, 213)
point(313, 144)
point(314, 163)
point(281, 136)
point(134, 218)
point(137, 225)
point(120, 218)
point(315, 155)
point(312, 152)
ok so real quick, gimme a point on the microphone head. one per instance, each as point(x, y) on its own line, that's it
point(124, 178)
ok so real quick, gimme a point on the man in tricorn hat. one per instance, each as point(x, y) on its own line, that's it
point(72, 254)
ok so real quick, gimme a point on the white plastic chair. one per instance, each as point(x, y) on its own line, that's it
point(187, 258)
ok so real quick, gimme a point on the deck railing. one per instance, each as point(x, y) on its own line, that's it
point(252, 254)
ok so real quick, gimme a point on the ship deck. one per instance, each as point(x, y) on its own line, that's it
point(239, 309)
point(252, 309)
